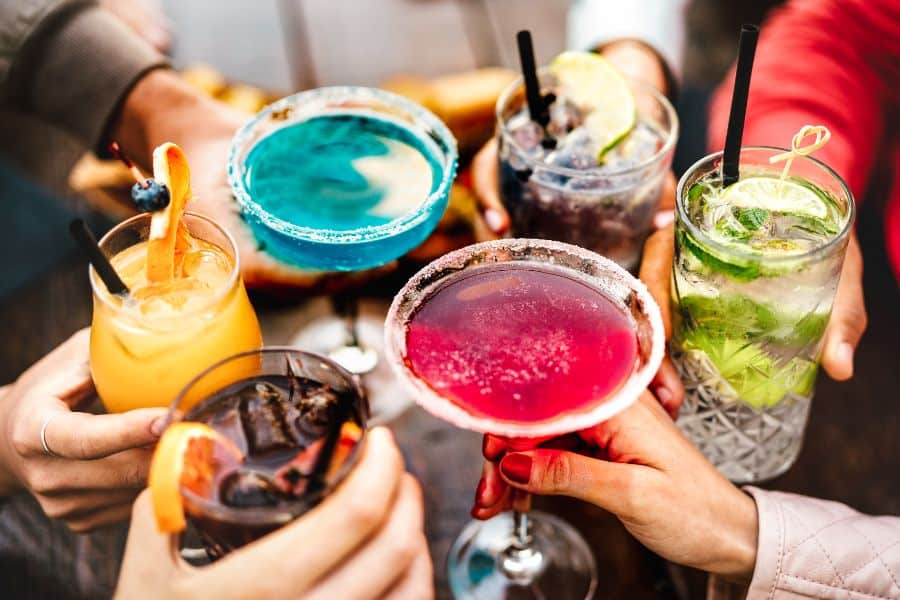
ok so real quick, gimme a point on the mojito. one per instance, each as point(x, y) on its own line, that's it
point(755, 272)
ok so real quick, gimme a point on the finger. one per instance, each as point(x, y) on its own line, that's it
point(668, 388)
point(125, 470)
point(505, 503)
point(491, 486)
point(555, 472)
point(418, 582)
point(84, 436)
point(64, 373)
point(486, 187)
point(656, 270)
point(150, 556)
point(667, 200)
point(104, 517)
point(848, 317)
point(284, 563)
point(492, 447)
point(381, 563)
point(83, 503)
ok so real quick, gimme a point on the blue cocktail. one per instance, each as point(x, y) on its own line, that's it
point(342, 178)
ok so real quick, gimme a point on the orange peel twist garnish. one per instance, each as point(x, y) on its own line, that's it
point(168, 234)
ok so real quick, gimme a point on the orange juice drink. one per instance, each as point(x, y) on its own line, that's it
point(186, 308)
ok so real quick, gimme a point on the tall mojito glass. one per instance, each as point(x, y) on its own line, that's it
point(756, 267)
point(594, 176)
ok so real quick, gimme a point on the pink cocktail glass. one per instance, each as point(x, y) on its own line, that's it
point(524, 339)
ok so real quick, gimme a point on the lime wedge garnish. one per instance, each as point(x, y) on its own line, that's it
point(591, 83)
point(775, 195)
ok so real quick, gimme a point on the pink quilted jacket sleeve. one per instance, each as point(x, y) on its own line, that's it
point(811, 548)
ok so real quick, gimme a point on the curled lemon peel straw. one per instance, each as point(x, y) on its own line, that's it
point(797, 149)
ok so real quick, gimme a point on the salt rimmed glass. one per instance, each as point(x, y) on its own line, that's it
point(348, 249)
point(533, 554)
point(345, 249)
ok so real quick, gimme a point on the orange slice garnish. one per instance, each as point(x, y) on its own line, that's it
point(183, 456)
point(168, 235)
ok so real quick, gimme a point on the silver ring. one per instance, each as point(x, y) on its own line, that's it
point(47, 449)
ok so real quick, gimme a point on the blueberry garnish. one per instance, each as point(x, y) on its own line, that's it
point(153, 197)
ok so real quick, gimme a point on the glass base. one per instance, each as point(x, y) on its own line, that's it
point(485, 562)
point(747, 444)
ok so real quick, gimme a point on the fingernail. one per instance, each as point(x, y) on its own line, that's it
point(479, 492)
point(845, 354)
point(663, 395)
point(517, 467)
point(494, 220)
point(157, 426)
point(663, 218)
point(486, 450)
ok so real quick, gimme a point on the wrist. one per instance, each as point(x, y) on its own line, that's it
point(162, 107)
point(9, 483)
point(739, 530)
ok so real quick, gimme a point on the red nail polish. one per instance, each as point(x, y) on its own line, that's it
point(517, 467)
point(479, 492)
point(486, 450)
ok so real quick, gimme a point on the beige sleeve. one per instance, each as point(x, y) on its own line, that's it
point(69, 63)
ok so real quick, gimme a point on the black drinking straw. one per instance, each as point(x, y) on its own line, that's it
point(88, 244)
point(537, 106)
point(339, 413)
point(732, 154)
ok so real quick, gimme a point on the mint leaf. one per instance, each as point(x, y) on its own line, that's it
point(751, 218)
point(746, 272)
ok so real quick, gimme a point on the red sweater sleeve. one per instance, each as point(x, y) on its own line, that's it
point(821, 62)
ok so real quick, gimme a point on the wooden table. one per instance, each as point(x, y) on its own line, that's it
point(851, 453)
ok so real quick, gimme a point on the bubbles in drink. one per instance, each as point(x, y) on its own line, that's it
point(521, 343)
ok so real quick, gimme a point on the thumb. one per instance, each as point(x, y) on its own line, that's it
point(656, 270)
point(561, 473)
point(848, 317)
point(150, 556)
point(485, 185)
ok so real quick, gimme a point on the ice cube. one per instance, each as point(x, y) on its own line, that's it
point(564, 117)
point(575, 151)
point(248, 489)
point(526, 133)
point(229, 424)
point(316, 406)
point(266, 415)
point(206, 265)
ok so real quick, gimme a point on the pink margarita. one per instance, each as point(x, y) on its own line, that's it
point(521, 342)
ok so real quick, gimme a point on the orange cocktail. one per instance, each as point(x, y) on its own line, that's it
point(186, 308)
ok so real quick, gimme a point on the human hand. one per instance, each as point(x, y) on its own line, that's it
point(364, 541)
point(639, 467)
point(145, 18)
point(163, 108)
point(848, 314)
point(97, 464)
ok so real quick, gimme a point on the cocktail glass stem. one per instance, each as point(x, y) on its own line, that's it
point(351, 355)
point(521, 561)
